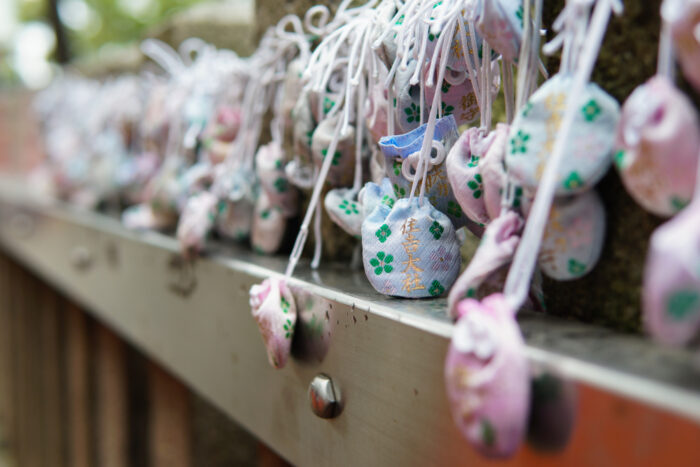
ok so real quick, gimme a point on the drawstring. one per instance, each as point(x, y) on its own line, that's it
point(520, 274)
point(442, 47)
point(665, 61)
point(315, 195)
point(507, 66)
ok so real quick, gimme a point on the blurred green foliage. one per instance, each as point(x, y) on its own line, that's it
point(92, 24)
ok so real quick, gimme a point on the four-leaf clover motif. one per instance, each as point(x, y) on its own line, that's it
point(288, 328)
point(382, 263)
point(436, 288)
point(436, 229)
point(453, 209)
point(281, 184)
point(400, 192)
point(591, 110)
point(475, 186)
point(576, 268)
point(336, 156)
point(518, 144)
point(682, 303)
point(349, 207)
point(383, 233)
point(573, 181)
point(412, 112)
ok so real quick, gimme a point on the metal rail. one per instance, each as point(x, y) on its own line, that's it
point(384, 355)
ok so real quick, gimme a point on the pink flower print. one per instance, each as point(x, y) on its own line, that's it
point(388, 288)
point(442, 260)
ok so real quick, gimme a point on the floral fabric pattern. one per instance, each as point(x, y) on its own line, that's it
point(410, 250)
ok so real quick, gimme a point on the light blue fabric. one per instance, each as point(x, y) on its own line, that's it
point(373, 195)
point(438, 190)
point(410, 250)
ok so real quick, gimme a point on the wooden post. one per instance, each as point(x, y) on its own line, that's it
point(78, 390)
point(7, 403)
point(170, 429)
point(53, 376)
point(112, 403)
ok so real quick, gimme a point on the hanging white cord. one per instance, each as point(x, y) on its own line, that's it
point(315, 195)
point(473, 75)
point(163, 55)
point(524, 67)
point(426, 148)
point(520, 274)
point(665, 61)
point(508, 89)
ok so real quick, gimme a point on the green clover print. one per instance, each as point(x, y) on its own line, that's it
point(349, 207)
point(436, 289)
point(488, 433)
point(288, 328)
point(573, 181)
point(475, 186)
point(382, 263)
point(284, 303)
point(447, 109)
point(281, 184)
point(591, 110)
point(399, 191)
point(683, 303)
point(436, 229)
point(619, 159)
point(397, 168)
point(474, 161)
point(445, 89)
point(519, 15)
point(576, 268)
point(453, 209)
point(517, 199)
point(383, 233)
point(413, 113)
point(336, 156)
point(388, 200)
point(327, 105)
point(518, 144)
point(678, 203)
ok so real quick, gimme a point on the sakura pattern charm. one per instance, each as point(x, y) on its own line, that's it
point(487, 376)
point(234, 219)
point(590, 145)
point(344, 210)
point(269, 165)
point(658, 142)
point(196, 221)
point(671, 291)
point(500, 23)
point(274, 309)
point(268, 226)
point(574, 237)
point(683, 17)
point(342, 159)
point(464, 175)
point(495, 251)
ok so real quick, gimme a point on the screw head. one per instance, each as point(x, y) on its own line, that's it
point(81, 258)
point(324, 397)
